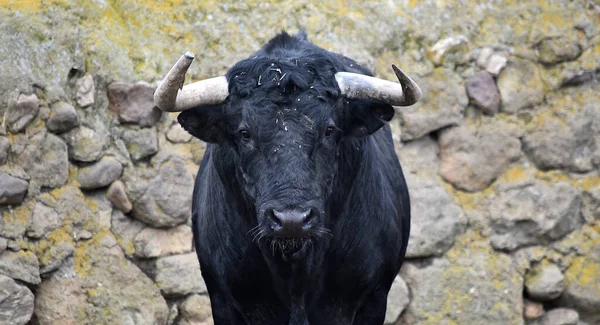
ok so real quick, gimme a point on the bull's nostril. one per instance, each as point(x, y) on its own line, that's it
point(309, 217)
point(276, 222)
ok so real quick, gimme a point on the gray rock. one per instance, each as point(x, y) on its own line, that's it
point(100, 174)
point(12, 189)
point(544, 282)
point(576, 147)
point(436, 219)
point(557, 50)
point(45, 159)
point(177, 134)
point(472, 159)
point(167, 199)
point(86, 91)
point(582, 286)
point(520, 86)
point(590, 204)
point(125, 230)
point(15, 220)
point(3, 244)
point(398, 299)
point(449, 50)
point(118, 197)
point(55, 255)
point(43, 220)
point(141, 143)
point(133, 103)
point(534, 214)
point(4, 147)
point(559, 316)
point(99, 286)
point(492, 61)
point(63, 117)
point(22, 109)
point(177, 275)
point(21, 265)
point(16, 302)
point(152, 242)
point(420, 155)
point(85, 144)
point(443, 103)
point(196, 310)
point(469, 286)
point(483, 92)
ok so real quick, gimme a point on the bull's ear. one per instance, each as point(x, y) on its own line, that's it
point(366, 116)
point(206, 122)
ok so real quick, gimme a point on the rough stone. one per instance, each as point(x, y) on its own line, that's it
point(398, 299)
point(590, 204)
point(582, 286)
point(55, 255)
point(125, 229)
point(544, 282)
point(43, 220)
point(420, 155)
point(472, 159)
point(21, 265)
point(465, 280)
point(15, 220)
point(141, 143)
point(442, 104)
point(557, 50)
point(86, 90)
point(195, 310)
point(532, 309)
point(177, 134)
point(520, 86)
point(534, 214)
point(12, 189)
point(577, 146)
point(45, 160)
point(483, 92)
point(16, 302)
point(152, 242)
point(85, 144)
point(133, 103)
point(3, 244)
point(449, 50)
point(436, 220)
point(167, 199)
point(118, 197)
point(559, 316)
point(177, 275)
point(100, 174)
point(492, 61)
point(63, 117)
point(99, 286)
point(21, 110)
point(4, 147)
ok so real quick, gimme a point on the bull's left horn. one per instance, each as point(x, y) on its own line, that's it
point(358, 86)
point(170, 96)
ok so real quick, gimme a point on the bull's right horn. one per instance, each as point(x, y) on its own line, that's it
point(170, 96)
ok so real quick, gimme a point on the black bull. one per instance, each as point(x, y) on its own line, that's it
point(301, 214)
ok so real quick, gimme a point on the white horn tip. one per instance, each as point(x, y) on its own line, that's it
point(189, 55)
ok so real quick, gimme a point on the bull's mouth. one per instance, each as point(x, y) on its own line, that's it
point(289, 246)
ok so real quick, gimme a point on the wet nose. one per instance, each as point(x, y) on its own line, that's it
point(291, 223)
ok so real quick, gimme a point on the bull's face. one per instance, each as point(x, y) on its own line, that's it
point(284, 123)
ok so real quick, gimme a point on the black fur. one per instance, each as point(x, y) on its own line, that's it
point(285, 138)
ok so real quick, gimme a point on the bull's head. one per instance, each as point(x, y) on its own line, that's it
point(283, 123)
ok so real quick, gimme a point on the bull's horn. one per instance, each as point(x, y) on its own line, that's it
point(170, 96)
point(358, 86)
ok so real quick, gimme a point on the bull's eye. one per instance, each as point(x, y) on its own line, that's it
point(329, 131)
point(244, 135)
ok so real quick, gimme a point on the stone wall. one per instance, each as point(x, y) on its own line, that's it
point(502, 155)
